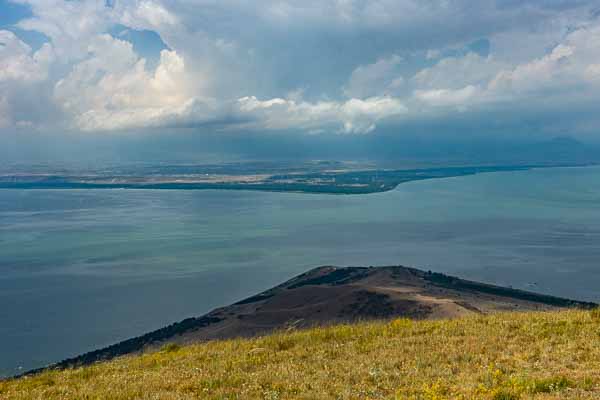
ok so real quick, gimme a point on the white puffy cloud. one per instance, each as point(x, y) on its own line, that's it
point(456, 72)
point(569, 66)
point(351, 116)
point(568, 70)
point(223, 56)
point(18, 62)
point(535, 75)
point(112, 89)
point(145, 14)
point(23, 74)
point(69, 24)
point(448, 97)
point(377, 78)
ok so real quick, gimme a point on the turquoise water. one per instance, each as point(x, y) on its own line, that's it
point(80, 269)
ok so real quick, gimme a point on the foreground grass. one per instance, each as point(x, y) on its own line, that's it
point(554, 355)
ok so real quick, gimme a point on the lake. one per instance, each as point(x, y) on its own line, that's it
point(81, 269)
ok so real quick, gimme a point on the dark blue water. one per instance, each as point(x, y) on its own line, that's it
point(80, 269)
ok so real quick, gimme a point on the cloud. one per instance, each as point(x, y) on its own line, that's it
point(19, 62)
point(145, 14)
point(361, 64)
point(456, 72)
point(447, 97)
point(568, 66)
point(407, 15)
point(566, 74)
point(68, 24)
point(351, 116)
point(112, 89)
point(432, 54)
point(592, 72)
point(5, 119)
point(535, 75)
point(372, 79)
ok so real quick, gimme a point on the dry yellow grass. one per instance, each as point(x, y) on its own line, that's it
point(553, 355)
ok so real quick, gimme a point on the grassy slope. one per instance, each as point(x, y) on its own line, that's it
point(553, 355)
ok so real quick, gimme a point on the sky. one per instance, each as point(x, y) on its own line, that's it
point(80, 78)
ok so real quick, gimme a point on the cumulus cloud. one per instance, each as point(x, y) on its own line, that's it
point(535, 75)
point(145, 14)
point(567, 67)
point(19, 62)
point(456, 72)
point(351, 116)
point(360, 63)
point(371, 79)
point(566, 71)
point(447, 97)
point(112, 88)
point(69, 24)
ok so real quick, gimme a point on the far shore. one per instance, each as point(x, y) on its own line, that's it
point(317, 182)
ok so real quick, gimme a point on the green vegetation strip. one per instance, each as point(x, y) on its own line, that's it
point(507, 356)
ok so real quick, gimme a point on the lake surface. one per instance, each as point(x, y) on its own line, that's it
point(81, 269)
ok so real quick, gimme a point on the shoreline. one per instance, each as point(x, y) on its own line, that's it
point(361, 182)
point(350, 182)
point(339, 293)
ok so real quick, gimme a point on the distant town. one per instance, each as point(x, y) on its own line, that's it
point(312, 177)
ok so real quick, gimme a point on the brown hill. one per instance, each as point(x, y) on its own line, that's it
point(328, 295)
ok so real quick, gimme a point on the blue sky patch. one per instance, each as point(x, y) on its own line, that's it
point(146, 44)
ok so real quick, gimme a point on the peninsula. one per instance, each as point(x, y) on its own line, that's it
point(328, 177)
point(332, 295)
